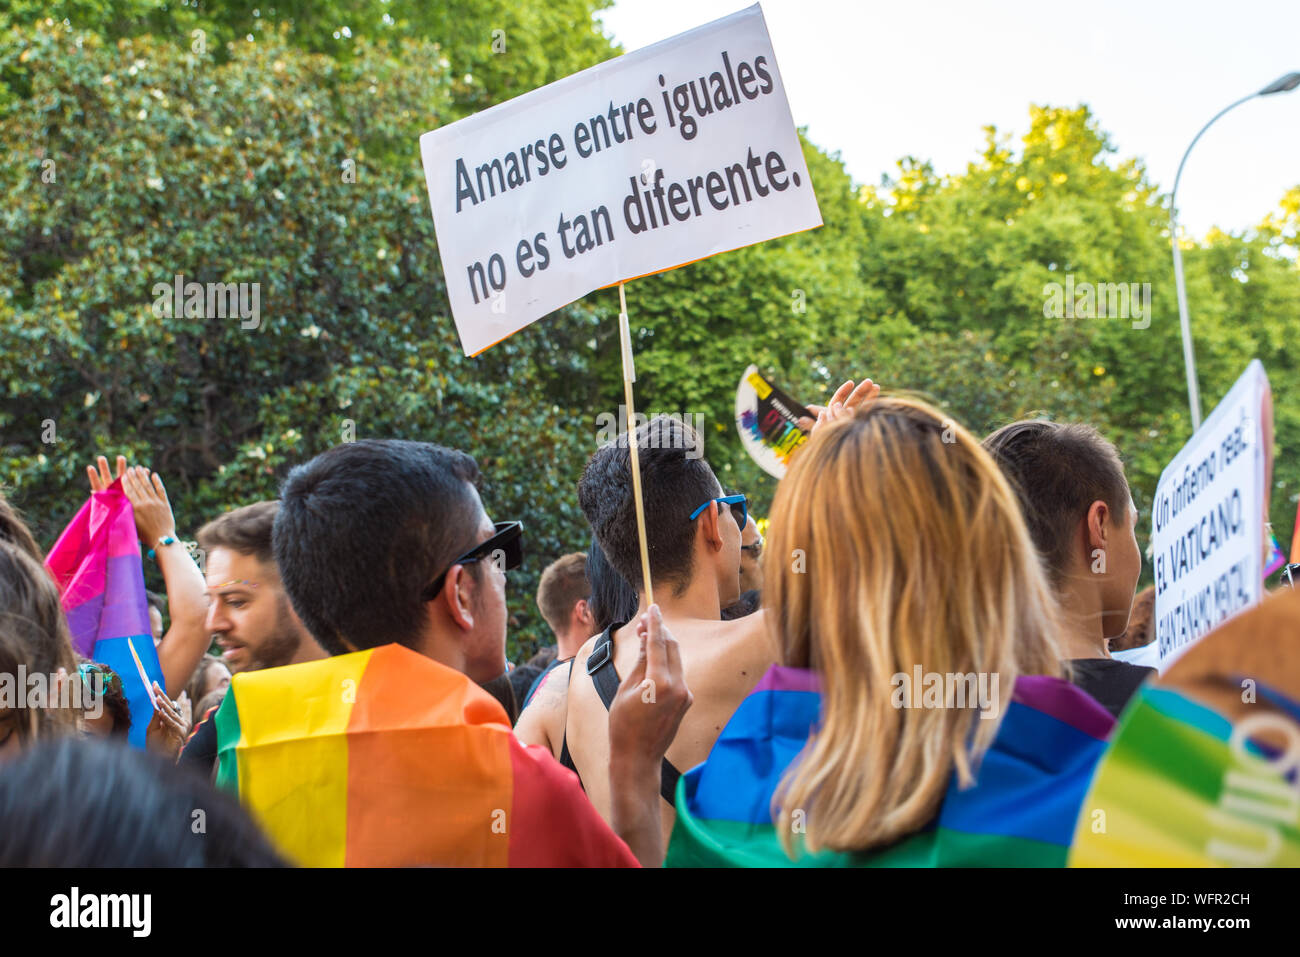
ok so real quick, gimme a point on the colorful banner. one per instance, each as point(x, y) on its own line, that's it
point(768, 422)
point(96, 563)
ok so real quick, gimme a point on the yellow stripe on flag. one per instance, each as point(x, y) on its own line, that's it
point(293, 754)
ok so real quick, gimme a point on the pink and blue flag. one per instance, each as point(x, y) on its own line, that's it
point(96, 563)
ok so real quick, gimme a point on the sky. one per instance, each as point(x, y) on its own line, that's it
point(878, 81)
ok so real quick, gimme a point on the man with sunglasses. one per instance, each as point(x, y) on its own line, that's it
point(693, 532)
point(384, 543)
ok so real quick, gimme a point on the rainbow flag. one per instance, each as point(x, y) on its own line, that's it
point(1202, 769)
point(387, 758)
point(1175, 790)
point(1021, 810)
point(96, 563)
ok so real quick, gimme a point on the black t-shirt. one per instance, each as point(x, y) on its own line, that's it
point(1112, 683)
point(200, 751)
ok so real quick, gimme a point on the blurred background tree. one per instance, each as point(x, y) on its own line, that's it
point(281, 150)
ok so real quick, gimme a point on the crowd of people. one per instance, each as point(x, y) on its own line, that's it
point(897, 542)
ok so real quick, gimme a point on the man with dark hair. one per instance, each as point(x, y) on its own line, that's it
point(249, 613)
point(693, 533)
point(388, 556)
point(1076, 502)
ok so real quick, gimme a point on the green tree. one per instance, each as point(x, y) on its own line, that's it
point(136, 164)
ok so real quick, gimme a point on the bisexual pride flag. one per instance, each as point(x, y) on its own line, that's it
point(386, 758)
point(96, 563)
point(1020, 811)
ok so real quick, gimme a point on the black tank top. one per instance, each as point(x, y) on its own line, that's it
point(601, 670)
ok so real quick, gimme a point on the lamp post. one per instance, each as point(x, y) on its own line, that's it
point(1283, 85)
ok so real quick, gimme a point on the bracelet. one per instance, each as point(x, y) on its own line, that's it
point(165, 540)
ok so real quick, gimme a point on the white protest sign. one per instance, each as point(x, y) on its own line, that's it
point(1208, 520)
point(658, 158)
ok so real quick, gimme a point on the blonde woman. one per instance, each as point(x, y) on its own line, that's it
point(918, 717)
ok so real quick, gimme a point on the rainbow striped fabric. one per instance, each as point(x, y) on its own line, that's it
point(1182, 786)
point(387, 758)
point(1021, 811)
point(96, 563)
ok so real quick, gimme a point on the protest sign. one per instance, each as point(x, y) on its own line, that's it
point(652, 160)
point(768, 422)
point(1208, 519)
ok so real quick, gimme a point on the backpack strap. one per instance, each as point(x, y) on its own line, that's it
point(600, 667)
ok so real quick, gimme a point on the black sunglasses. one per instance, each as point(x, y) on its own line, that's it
point(508, 540)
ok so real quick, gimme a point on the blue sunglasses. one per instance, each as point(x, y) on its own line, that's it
point(739, 508)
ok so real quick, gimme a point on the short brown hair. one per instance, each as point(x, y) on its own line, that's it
point(1058, 470)
point(245, 530)
point(563, 585)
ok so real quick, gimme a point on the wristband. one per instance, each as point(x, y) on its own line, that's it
point(165, 540)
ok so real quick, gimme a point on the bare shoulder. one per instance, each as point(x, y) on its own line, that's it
point(542, 722)
point(752, 639)
point(553, 690)
point(734, 658)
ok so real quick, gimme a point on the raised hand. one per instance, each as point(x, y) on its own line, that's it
point(99, 476)
point(153, 512)
point(846, 398)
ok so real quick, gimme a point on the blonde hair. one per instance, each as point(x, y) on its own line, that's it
point(900, 543)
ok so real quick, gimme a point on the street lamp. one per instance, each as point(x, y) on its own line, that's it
point(1283, 85)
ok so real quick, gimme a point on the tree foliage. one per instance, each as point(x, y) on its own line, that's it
point(289, 161)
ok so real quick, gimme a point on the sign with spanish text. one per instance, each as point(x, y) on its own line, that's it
point(671, 154)
point(1208, 520)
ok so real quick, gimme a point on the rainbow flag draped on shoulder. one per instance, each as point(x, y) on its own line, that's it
point(385, 757)
point(1020, 812)
point(96, 563)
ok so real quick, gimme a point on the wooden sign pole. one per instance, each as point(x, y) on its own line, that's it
point(629, 376)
